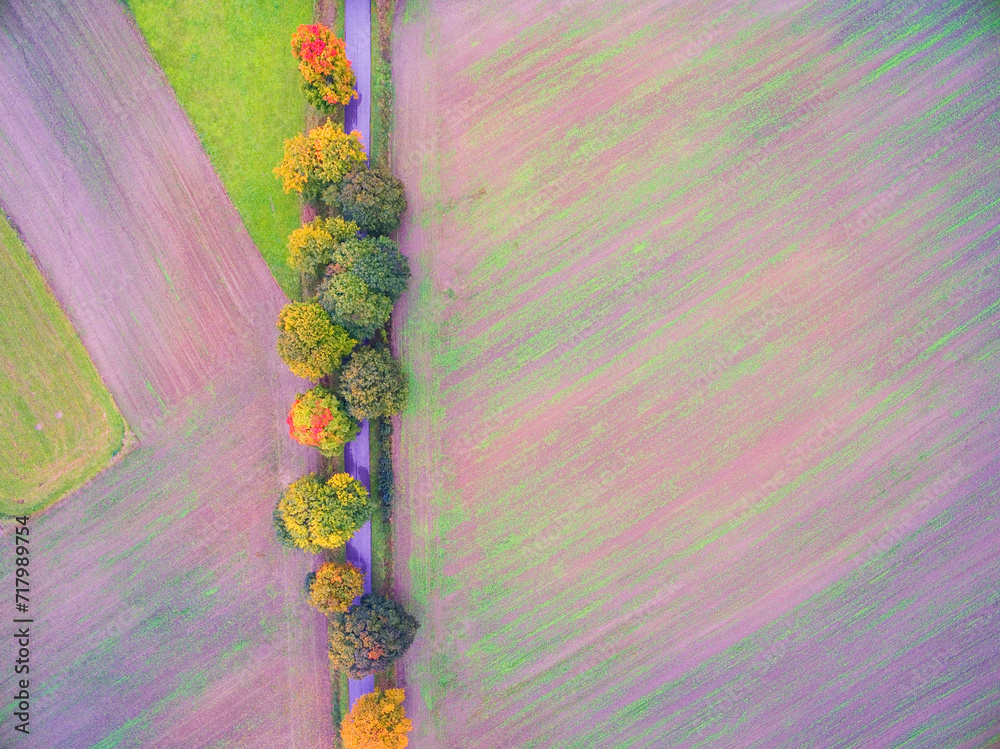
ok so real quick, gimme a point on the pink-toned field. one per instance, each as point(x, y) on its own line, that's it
point(165, 613)
point(702, 449)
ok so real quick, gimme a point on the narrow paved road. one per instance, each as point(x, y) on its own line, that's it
point(357, 33)
point(357, 116)
point(359, 549)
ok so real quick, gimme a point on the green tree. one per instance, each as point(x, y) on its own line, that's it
point(371, 197)
point(309, 343)
point(324, 515)
point(372, 384)
point(371, 636)
point(335, 586)
point(280, 529)
point(354, 305)
point(375, 260)
point(311, 246)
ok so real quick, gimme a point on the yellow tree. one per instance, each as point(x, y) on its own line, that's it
point(336, 586)
point(311, 247)
point(313, 162)
point(319, 515)
point(309, 343)
point(377, 721)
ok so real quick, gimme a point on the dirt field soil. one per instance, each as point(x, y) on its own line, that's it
point(166, 615)
point(704, 373)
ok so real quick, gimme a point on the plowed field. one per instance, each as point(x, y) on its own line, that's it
point(703, 334)
point(165, 614)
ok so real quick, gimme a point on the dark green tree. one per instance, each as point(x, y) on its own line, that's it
point(372, 198)
point(280, 529)
point(375, 260)
point(371, 636)
point(354, 305)
point(372, 384)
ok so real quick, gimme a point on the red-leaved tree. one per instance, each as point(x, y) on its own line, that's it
point(327, 77)
point(319, 419)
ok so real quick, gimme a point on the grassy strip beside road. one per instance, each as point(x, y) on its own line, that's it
point(383, 12)
point(59, 422)
point(381, 130)
point(340, 704)
point(230, 66)
point(381, 529)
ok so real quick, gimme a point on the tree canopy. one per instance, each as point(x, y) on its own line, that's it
point(309, 343)
point(314, 162)
point(335, 586)
point(377, 721)
point(354, 305)
point(373, 198)
point(311, 246)
point(375, 260)
point(372, 384)
point(319, 419)
point(371, 636)
point(327, 77)
point(324, 515)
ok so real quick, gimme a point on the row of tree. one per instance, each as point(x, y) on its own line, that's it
point(337, 339)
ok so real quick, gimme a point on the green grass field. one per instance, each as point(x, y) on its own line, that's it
point(232, 69)
point(59, 422)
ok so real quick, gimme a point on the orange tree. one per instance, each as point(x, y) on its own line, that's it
point(327, 77)
point(334, 587)
point(318, 419)
point(377, 721)
point(314, 162)
point(319, 515)
point(309, 343)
